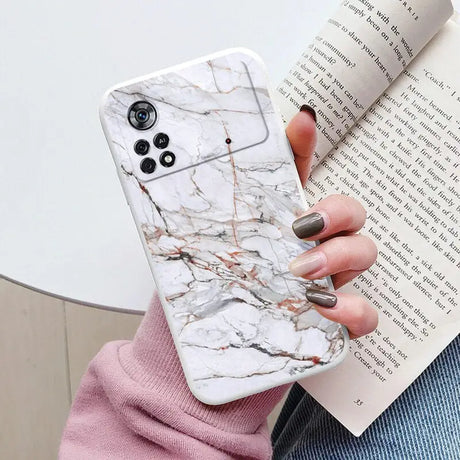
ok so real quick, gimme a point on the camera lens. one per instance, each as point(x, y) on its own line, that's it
point(142, 147)
point(148, 165)
point(142, 115)
point(167, 159)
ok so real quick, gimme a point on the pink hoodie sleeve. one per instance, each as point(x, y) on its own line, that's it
point(133, 403)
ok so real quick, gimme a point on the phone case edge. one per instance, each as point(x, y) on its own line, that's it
point(203, 397)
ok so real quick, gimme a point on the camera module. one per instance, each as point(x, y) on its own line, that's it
point(142, 147)
point(148, 165)
point(142, 115)
point(167, 159)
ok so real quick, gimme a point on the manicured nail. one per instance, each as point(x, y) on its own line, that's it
point(309, 262)
point(322, 298)
point(308, 225)
point(310, 110)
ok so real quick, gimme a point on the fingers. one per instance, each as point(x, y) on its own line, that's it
point(339, 254)
point(334, 214)
point(344, 257)
point(301, 132)
point(352, 311)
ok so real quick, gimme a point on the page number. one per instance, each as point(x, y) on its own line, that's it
point(358, 402)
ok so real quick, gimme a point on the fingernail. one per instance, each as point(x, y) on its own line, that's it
point(307, 263)
point(322, 298)
point(308, 225)
point(310, 110)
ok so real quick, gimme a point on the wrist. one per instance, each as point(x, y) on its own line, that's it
point(152, 361)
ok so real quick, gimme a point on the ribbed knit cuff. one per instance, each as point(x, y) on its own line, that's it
point(152, 362)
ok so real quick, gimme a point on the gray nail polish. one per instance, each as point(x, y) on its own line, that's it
point(310, 110)
point(308, 225)
point(322, 298)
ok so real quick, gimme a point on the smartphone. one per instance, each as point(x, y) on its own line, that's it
point(209, 175)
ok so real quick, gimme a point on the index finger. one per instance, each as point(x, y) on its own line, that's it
point(333, 215)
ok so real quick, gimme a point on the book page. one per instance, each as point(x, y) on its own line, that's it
point(356, 56)
point(402, 162)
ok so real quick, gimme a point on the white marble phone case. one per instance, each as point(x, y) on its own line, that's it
point(216, 226)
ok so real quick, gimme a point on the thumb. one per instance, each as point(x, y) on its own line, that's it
point(301, 132)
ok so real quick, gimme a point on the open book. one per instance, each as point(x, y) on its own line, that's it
point(383, 79)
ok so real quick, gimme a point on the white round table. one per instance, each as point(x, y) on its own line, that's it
point(65, 227)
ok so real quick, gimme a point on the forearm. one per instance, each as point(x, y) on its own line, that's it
point(133, 402)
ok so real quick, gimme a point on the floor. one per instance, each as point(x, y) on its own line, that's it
point(45, 347)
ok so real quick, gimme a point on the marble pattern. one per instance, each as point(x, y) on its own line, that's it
point(217, 228)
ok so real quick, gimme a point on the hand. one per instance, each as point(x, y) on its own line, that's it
point(343, 253)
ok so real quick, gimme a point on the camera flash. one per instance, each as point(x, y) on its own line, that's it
point(167, 159)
